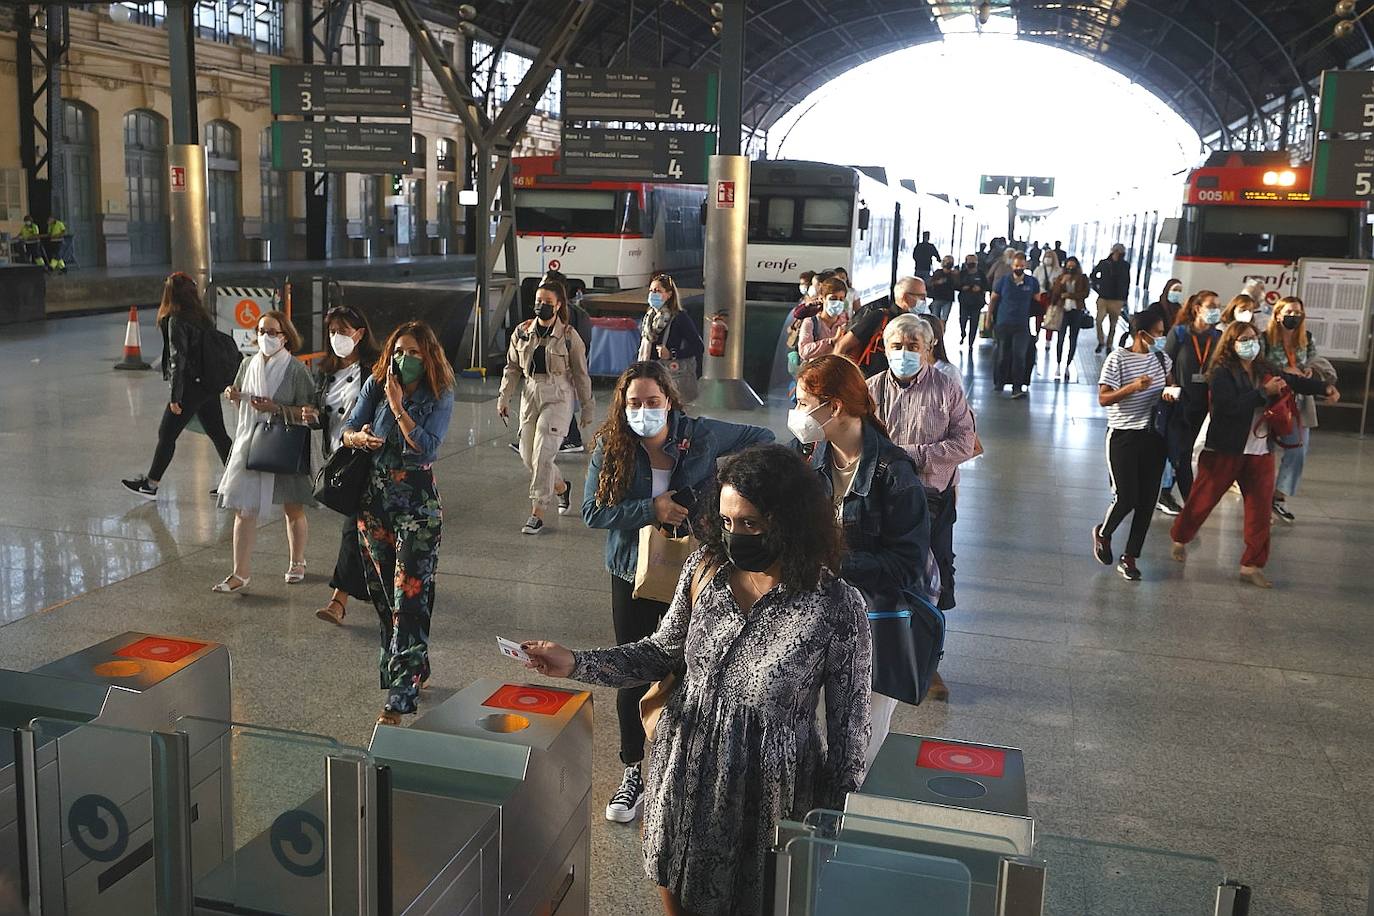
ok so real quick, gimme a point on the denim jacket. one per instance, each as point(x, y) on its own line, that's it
point(430, 413)
point(694, 444)
point(885, 520)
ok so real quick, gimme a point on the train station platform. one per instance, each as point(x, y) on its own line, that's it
point(83, 291)
point(1187, 713)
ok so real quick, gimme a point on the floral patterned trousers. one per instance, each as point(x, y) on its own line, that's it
point(399, 524)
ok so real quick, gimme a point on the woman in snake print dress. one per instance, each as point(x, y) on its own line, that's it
point(738, 747)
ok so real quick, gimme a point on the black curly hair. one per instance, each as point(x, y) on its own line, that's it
point(789, 494)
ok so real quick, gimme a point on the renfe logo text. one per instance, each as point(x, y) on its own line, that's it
point(564, 248)
point(786, 265)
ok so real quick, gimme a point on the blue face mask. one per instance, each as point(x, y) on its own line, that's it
point(833, 307)
point(1157, 344)
point(1247, 349)
point(646, 422)
point(1175, 296)
point(656, 300)
point(1211, 316)
point(903, 363)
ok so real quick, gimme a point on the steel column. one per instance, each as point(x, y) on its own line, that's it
point(731, 78)
point(38, 74)
point(181, 53)
point(189, 194)
point(727, 237)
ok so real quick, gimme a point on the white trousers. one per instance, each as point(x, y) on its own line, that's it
point(880, 709)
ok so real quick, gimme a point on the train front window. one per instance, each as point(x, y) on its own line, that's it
point(575, 212)
point(1269, 233)
point(782, 214)
point(808, 220)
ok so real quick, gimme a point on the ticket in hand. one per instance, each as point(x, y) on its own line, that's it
point(512, 650)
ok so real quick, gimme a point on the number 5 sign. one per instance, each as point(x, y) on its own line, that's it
point(725, 195)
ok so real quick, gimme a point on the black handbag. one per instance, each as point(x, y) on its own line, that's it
point(1163, 410)
point(907, 647)
point(343, 479)
point(278, 447)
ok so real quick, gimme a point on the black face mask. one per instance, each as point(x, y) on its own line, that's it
point(750, 552)
point(1017, 273)
point(1291, 322)
point(543, 311)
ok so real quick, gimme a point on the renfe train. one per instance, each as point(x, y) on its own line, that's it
point(815, 216)
point(604, 235)
point(1245, 216)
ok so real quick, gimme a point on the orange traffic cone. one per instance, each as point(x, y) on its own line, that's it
point(133, 349)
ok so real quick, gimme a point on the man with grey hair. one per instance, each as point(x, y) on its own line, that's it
point(929, 418)
point(863, 341)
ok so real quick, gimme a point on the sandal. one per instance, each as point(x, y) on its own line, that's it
point(295, 573)
point(226, 588)
point(327, 613)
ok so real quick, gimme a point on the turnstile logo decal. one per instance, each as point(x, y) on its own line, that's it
point(160, 649)
point(542, 701)
point(297, 839)
point(98, 828)
point(969, 759)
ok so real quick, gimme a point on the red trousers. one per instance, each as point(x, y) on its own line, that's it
point(1215, 474)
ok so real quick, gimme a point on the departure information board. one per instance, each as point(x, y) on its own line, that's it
point(675, 96)
point(328, 146)
point(322, 91)
point(637, 155)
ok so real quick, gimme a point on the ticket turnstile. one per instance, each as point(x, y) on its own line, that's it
point(523, 754)
point(88, 850)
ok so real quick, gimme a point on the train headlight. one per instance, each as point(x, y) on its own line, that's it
point(1271, 178)
point(1288, 178)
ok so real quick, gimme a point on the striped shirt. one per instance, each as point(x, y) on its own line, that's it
point(1123, 367)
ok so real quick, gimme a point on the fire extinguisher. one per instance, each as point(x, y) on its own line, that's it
point(716, 334)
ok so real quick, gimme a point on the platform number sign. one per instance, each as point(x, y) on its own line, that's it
point(1347, 102)
point(1343, 170)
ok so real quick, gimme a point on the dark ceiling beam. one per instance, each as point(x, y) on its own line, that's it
point(1298, 79)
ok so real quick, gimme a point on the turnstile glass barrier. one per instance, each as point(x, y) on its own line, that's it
point(299, 820)
point(104, 835)
point(833, 862)
point(1084, 878)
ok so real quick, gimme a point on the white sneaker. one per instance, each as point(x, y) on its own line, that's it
point(625, 803)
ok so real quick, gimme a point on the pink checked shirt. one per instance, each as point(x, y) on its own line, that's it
point(930, 419)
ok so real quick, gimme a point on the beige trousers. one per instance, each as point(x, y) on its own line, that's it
point(1108, 308)
point(546, 409)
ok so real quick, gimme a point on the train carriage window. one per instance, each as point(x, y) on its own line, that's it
point(826, 219)
point(782, 215)
point(1266, 233)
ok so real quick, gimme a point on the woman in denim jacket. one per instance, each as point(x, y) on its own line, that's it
point(881, 504)
point(402, 416)
point(647, 452)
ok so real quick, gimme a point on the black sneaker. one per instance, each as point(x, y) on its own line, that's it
point(570, 447)
point(1017, 393)
point(1126, 566)
point(1099, 349)
point(1282, 512)
point(624, 806)
point(1167, 504)
point(565, 501)
point(140, 487)
point(1102, 547)
point(533, 526)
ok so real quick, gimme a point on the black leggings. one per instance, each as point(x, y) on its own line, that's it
point(1069, 330)
point(634, 619)
point(201, 405)
point(1135, 460)
point(942, 513)
point(350, 576)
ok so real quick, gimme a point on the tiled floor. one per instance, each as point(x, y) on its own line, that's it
point(1188, 713)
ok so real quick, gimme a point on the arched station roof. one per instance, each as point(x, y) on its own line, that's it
point(1216, 62)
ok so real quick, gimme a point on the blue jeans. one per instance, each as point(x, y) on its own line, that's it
point(941, 309)
point(1291, 461)
point(1013, 340)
